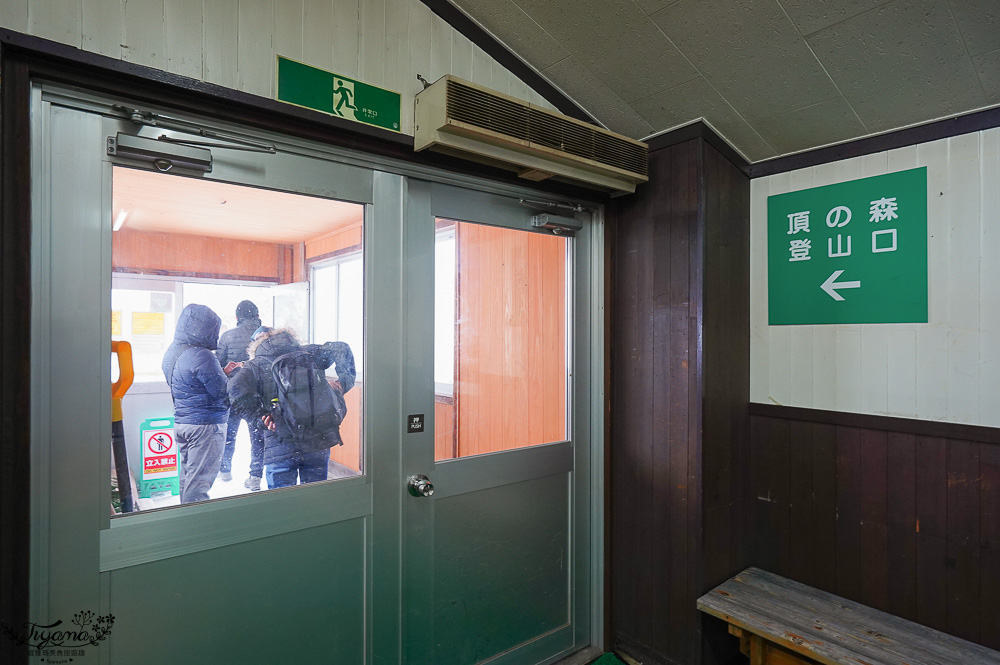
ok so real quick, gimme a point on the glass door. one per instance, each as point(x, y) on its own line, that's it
point(476, 344)
point(497, 509)
point(184, 267)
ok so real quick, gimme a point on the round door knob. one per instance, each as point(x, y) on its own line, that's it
point(420, 486)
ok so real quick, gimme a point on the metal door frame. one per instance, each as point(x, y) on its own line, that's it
point(582, 455)
point(396, 188)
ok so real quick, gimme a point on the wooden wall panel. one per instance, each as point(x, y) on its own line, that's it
point(510, 387)
point(335, 242)
point(724, 353)
point(444, 428)
point(679, 448)
point(183, 37)
point(221, 39)
point(933, 371)
point(168, 254)
point(234, 42)
point(917, 523)
point(14, 15)
point(349, 454)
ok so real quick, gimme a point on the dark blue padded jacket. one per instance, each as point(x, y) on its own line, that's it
point(197, 382)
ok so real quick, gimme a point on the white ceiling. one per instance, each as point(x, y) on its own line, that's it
point(772, 76)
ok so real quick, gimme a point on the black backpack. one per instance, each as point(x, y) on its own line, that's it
point(307, 411)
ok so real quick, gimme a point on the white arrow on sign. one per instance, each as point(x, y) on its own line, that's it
point(831, 285)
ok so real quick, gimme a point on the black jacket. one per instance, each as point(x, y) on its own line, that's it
point(252, 389)
point(233, 343)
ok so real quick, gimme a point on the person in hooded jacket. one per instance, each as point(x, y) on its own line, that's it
point(252, 390)
point(198, 388)
point(233, 349)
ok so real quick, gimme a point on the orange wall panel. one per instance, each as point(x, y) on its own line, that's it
point(349, 454)
point(334, 242)
point(444, 428)
point(511, 383)
point(171, 254)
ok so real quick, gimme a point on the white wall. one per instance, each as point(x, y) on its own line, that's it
point(947, 369)
point(233, 43)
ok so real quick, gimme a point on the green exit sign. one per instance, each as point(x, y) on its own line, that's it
point(854, 252)
point(320, 90)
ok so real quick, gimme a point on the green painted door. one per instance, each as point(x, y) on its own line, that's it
point(474, 367)
point(497, 560)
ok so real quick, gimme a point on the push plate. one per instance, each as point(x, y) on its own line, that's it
point(415, 423)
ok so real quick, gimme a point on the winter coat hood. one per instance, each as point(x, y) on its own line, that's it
point(198, 325)
point(274, 345)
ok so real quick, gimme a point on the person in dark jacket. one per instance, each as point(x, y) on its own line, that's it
point(252, 390)
point(233, 349)
point(198, 388)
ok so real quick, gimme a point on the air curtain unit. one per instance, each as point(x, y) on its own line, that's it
point(469, 121)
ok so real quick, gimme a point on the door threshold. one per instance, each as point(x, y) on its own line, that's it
point(581, 657)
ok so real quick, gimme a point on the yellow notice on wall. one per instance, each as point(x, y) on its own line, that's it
point(147, 323)
point(116, 323)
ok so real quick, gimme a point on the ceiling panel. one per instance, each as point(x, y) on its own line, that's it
point(901, 64)
point(697, 99)
point(812, 15)
point(503, 17)
point(601, 101)
point(160, 203)
point(616, 41)
point(979, 21)
point(773, 76)
point(988, 66)
point(764, 67)
point(820, 124)
point(653, 6)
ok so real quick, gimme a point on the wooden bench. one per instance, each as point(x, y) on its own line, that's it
point(781, 622)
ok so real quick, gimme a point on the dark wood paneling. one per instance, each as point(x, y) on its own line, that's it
point(15, 354)
point(679, 442)
point(823, 531)
point(849, 512)
point(916, 517)
point(724, 150)
point(901, 518)
point(899, 425)
point(874, 529)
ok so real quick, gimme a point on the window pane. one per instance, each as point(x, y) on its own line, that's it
point(350, 310)
point(444, 312)
point(198, 267)
point(144, 318)
point(324, 283)
point(510, 342)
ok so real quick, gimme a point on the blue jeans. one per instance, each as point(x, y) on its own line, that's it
point(298, 468)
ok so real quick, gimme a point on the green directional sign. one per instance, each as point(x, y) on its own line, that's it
point(854, 252)
point(318, 89)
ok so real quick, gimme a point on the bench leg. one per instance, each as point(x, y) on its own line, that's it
point(756, 650)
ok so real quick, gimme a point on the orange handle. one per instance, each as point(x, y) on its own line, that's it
point(126, 373)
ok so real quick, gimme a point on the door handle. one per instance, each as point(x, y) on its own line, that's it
point(420, 486)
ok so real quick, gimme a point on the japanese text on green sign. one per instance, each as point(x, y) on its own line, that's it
point(318, 89)
point(854, 252)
